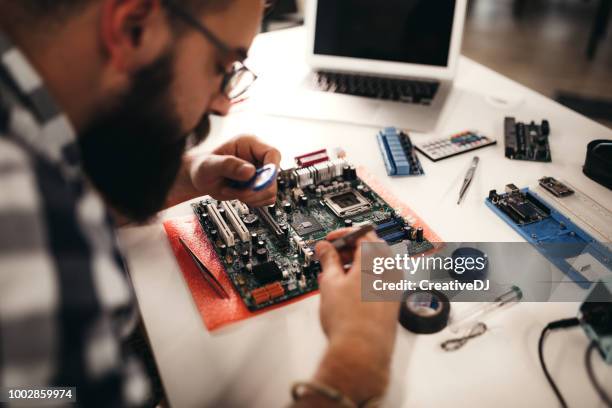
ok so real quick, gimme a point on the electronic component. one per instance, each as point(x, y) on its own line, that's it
point(222, 228)
point(272, 259)
point(319, 173)
point(440, 149)
point(267, 272)
point(270, 222)
point(521, 207)
point(310, 159)
point(267, 293)
point(347, 204)
point(527, 141)
point(398, 153)
point(305, 224)
point(540, 224)
point(555, 187)
point(234, 219)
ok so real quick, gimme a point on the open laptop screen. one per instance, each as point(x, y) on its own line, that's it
point(410, 31)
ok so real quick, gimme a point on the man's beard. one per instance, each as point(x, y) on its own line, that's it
point(132, 152)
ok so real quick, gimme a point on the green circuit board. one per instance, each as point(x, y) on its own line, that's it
point(268, 252)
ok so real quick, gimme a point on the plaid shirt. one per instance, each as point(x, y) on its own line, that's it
point(66, 305)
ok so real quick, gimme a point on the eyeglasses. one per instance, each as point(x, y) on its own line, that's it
point(238, 79)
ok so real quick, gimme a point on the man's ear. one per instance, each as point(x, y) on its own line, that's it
point(134, 33)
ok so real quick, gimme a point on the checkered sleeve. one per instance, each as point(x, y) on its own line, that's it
point(66, 304)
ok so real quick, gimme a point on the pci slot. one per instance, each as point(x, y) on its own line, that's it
point(234, 219)
point(263, 214)
point(222, 227)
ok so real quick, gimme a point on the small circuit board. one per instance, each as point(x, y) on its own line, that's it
point(555, 236)
point(398, 153)
point(268, 252)
point(527, 141)
point(555, 187)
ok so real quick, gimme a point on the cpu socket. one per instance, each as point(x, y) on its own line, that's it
point(347, 203)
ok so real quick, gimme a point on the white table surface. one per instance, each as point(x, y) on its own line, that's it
point(253, 363)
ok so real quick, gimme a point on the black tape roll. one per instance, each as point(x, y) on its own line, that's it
point(470, 275)
point(424, 311)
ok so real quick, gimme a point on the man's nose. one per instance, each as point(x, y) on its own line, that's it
point(220, 105)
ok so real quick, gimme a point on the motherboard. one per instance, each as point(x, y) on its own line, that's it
point(268, 252)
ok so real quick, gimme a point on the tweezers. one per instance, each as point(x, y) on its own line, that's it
point(210, 278)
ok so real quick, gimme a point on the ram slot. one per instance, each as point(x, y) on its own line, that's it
point(224, 230)
point(263, 214)
point(234, 219)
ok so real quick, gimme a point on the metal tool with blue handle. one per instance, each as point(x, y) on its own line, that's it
point(263, 178)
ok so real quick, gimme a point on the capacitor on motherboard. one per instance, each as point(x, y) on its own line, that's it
point(410, 232)
point(223, 249)
point(254, 237)
point(213, 234)
point(221, 212)
point(303, 200)
point(348, 223)
point(272, 210)
point(287, 207)
point(346, 172)
point(262, 254)
point(419, 234)
point(250, 220)
point(285, 229)
point(282, 184)
point(245, 256)
point(261, 244)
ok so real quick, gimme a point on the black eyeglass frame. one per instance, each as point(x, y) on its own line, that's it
point(235, 56)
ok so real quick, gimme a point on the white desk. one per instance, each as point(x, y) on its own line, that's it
point(253, 363)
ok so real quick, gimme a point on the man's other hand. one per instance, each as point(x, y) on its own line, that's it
point(361, 334)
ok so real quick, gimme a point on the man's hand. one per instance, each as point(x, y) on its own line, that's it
point(207, 173)
point(343, 313)
point(361, 334)
point(236, 160)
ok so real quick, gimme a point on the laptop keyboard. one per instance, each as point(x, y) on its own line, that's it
point(400, 90)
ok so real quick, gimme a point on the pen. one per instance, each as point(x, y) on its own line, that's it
point(468, 179)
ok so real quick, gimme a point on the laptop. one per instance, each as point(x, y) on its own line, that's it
point(378, 63)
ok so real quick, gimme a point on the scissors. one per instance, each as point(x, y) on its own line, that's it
point(210, 278)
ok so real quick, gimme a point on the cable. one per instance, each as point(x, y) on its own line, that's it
point(589, 368)
point(559, 324)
